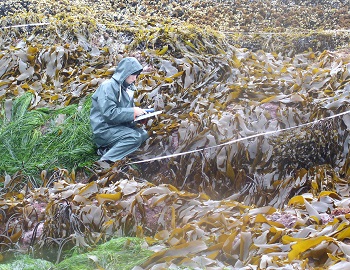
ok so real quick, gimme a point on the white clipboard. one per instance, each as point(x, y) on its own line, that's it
point(147, 115)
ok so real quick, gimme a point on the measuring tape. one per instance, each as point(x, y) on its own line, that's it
point(238, 140)
point(24, 25)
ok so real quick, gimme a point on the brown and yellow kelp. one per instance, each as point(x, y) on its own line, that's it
point(187, 229)
point(210, 92)
point(266, 200)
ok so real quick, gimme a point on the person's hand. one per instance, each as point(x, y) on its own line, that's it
point(138, 111)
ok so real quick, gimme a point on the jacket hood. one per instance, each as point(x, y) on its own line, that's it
point(125, 68)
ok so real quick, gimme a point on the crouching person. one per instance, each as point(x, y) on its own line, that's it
point(113, 112)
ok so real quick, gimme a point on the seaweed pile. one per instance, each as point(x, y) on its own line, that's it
point(224, 15)
point(287, 26)
point(240, 198)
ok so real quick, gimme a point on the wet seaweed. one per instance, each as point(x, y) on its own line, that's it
point(242, 199)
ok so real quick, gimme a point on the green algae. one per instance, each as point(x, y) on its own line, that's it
point(38, 139)
point(25, 262)
point(119, 253)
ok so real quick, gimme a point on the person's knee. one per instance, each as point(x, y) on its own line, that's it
point(144, 136)
point(138, 138)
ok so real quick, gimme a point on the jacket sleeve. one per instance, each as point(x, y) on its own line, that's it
point(112, 111)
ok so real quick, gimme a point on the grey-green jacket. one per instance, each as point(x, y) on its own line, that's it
point(112, 107)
